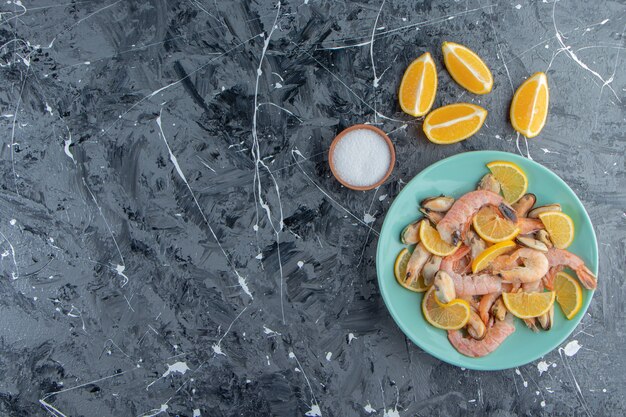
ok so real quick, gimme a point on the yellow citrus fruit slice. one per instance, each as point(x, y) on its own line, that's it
point(526, 305)
point(451, 316)
point(492, 226)
point(529, 108)
point(419, 86)
point(512, 179)
point(560, 227)
point(399, 270)
point(569, 294)
point(432, 241)
point(466, 68)
point(484, 259)
point(453, 123)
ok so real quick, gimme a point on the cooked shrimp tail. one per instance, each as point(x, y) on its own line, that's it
point(478, 348)
point(526, 225)
point(486, 302)
point(563, 258)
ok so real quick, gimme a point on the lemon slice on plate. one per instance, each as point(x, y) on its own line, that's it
point(487, 256)
point(451, 316)
point(527, 305)
point(512, 179)
point(492, 226)
point(569, 294)
point(432, 241)
point(560, 227)
point(399, 270)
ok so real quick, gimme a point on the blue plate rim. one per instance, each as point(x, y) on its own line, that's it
point(478, 366)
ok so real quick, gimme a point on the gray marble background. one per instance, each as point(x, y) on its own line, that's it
point(173, 242)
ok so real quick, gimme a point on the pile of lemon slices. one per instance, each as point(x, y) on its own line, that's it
point(456, 122)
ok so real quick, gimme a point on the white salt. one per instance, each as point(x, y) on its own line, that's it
point(362, 157)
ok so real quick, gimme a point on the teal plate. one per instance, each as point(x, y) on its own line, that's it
point(455, 176)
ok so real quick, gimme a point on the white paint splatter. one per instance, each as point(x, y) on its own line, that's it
point(278, 85)
point(48, 109)
point(542, 403)
point(351, 337)
point(178, 367)
point(314, 411)
point(259, 256)
point(519, 6)
point(382, 197)
point(162, 409)
point(241, 280)
point(292, 355)
point(196, 412)
point(369, 409)
point(12, 222)
point(368, 218)
point(269, 331)
point(329, 355)
point(391, 412)
point(217, 349)
point(120, 271)
point(542, 367)
point(572, 348)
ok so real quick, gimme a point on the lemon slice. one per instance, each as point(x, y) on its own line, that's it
point(451, 316)
point(526, 305)
point(399, 270)
point(492, 226)
point(560, 227)
point(453, 123)
point(569, 294)
point(432, 241)
point(529, 108)
point(484, 259)
point(419, 86)
point(466, 68)
point(512, 179)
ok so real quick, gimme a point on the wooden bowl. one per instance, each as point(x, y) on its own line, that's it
point(331, 152)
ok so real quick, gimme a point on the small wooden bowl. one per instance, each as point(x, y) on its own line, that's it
point(331, 152)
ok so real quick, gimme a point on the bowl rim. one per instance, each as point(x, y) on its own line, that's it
point(479, 366)
point(331, 152)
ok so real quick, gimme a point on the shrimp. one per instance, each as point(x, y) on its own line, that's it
point(478, 284)
point(451, 262)
point(478, 348)
point(535, 266)
point(460, 214)
point(524, 204)
point(467, 285)
point(560, 258)
point(527, 225)
point(416, 263)
point(486, 302)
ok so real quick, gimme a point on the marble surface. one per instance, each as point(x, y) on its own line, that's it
point(173, 242)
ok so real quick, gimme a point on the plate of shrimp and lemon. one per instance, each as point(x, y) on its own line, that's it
point(487, 260)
